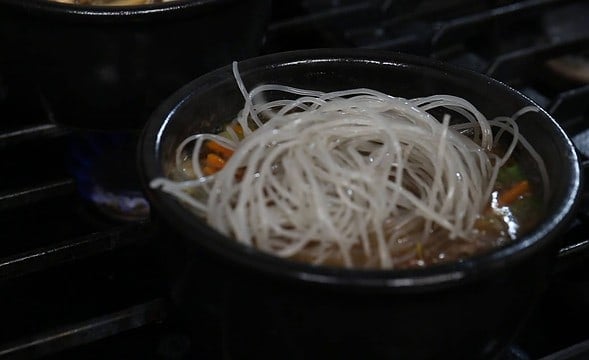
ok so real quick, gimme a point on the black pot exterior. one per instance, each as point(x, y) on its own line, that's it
point(265, 317)
point(276, 308)
point(109, 67)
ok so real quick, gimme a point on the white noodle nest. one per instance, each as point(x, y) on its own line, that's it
point(332, 171)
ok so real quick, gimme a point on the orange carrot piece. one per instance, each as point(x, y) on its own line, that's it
point(219, 149)
point(511, 194)
point(214, 161)
point(238, 129)
point(208, 171)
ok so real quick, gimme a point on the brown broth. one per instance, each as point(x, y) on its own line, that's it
point(496, 226)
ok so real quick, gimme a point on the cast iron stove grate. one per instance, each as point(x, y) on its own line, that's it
point(78, 283)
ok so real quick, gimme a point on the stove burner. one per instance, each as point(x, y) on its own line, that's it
point(104, 167)
point(127, 206)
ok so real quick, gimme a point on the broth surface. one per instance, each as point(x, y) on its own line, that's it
point(514, 208)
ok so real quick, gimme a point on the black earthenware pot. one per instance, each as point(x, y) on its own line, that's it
point(109, 67)
point(273, 308)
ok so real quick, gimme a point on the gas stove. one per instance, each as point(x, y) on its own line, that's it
point(81, 274)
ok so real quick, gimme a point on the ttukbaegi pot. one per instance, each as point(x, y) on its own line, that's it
point(280, 309)
point(108, 67)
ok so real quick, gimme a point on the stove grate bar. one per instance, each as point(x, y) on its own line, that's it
point(513, 65)
point(452, 31)
point(85, 332)
point(571, 104)
point(17, 136)
point(28, 196)
point(55, 254)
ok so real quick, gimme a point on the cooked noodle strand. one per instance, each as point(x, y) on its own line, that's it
point(349, 174)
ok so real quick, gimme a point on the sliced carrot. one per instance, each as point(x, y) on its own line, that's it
point(510, 195)
point(216, 158)
point(238, 130)
point(219, 149)
point(214, 161)
point(208, 171)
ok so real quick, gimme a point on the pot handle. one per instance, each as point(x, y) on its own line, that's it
point(576, 246)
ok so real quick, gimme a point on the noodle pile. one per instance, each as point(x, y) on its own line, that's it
point(356, 175)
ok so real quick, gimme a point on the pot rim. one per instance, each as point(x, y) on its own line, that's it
point(434, 276)
point(53, 9)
